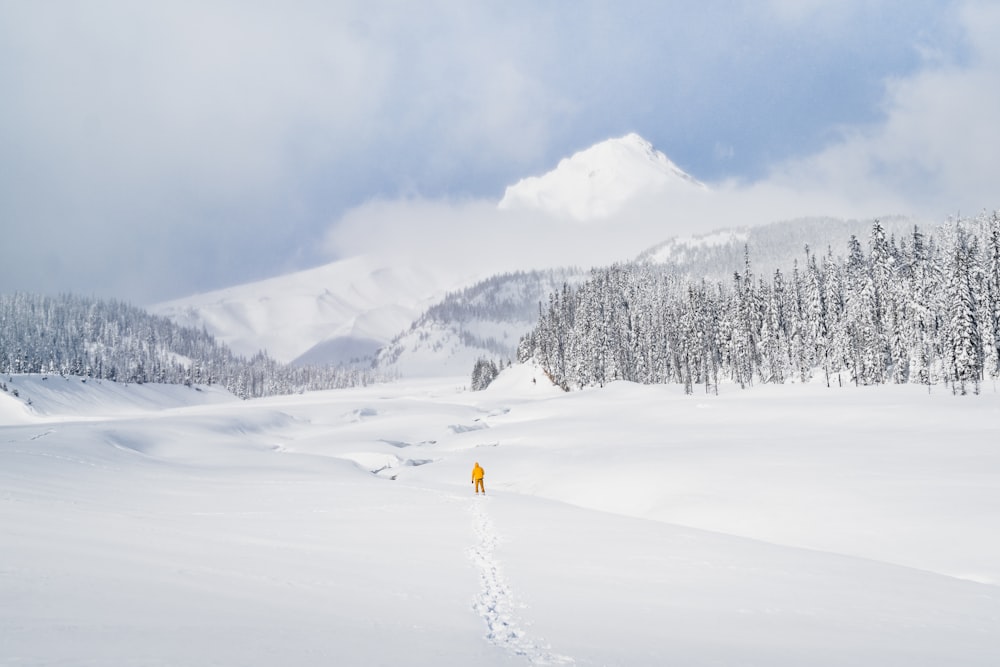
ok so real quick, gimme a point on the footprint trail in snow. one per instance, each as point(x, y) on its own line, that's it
point(496, 603)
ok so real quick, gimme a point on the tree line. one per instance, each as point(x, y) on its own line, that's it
point(112, 340)
point(919, 309)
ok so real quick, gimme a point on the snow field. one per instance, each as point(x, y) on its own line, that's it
point(623, 526)
point(497, 604)
point(893, 474)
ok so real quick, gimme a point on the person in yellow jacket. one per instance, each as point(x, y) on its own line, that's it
point(477, 478)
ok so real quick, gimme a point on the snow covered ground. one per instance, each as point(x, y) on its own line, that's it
point(629, 525)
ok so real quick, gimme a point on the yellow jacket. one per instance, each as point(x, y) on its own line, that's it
point(477, 472)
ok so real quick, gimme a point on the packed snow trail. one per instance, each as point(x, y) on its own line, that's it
point(496, 604)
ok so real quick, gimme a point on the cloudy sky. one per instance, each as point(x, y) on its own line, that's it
point(153, 150)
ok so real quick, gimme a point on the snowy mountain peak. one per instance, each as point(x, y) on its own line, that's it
point(597, 182)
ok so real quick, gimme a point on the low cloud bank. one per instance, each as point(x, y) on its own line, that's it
point(476, 238)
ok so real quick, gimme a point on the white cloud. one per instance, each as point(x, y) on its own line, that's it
point(934, 152)
point(183, 146)
point(471, 237)
point(937, 148)
point(474, 238)
point(162, 130)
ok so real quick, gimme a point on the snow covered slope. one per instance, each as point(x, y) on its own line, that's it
point(631, 525)
point(485, 320)
point(30, 398)
point(599, 181)
point(332, 313)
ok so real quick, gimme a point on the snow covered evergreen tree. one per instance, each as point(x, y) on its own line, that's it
point(990, 316)
point(921, 311)
point(964, 345)
point(483, 373)
point(111, 340)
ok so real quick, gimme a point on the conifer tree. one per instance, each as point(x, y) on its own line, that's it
point(964, 343)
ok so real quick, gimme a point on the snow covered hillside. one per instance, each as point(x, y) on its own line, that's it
point(599, 181)
point(485, 320)
point(332, 313)
point(630, 525)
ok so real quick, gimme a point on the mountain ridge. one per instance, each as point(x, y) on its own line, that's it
point(351, 306)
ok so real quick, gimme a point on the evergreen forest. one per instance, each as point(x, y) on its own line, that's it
point(922, 308)
point(111, 340)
